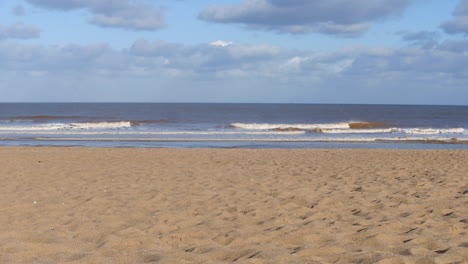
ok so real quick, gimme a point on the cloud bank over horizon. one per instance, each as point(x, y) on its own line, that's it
point(420, 65)
point(371, 70)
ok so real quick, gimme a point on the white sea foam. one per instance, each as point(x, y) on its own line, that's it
point(433, 131)
point(266, 126)
point(71, 126)
point(150, 133)
point(360, 131)
point(344, 128)
point(411, 131)
point(101, 125)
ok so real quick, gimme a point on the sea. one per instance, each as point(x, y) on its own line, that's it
point(210, 125)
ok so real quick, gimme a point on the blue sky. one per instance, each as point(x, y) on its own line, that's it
point(286, 51)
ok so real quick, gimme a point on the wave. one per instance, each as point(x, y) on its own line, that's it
point(80, 119)
point(412, 131)
point(367, 125)
point(295, 127)
point(101, 125)
point(141, 122)
point(287, 129)
point(433, 131)
point(70, 126)
point(153, 133)
point(266, 126)
point(347, 128)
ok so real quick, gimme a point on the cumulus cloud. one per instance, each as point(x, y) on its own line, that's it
point(460, 22)
point(124, 14)
point(456, 46)
point(447, 57)
point(221, 43)
point(256, 60)
point(347, 18)
point(204, 57)
point(58, 58)
point(414, 60)
point(19, 31)
point(425, 39)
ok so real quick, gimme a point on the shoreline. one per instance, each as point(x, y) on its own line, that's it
point(390, 140)
point(166, 205)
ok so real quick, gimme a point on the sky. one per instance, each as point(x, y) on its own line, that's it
point(248, 51)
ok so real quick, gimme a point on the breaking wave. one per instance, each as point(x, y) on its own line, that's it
point(296, 127)
point(141, 122)
point(348, 128)
point(70, 126)
point(76, 120)
point(255, 126)
point(154, 133)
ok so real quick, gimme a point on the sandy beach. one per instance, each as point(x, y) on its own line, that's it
point(119, 205)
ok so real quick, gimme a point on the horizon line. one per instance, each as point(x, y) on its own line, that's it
point(121, 102)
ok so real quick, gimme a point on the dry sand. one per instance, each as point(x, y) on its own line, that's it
point(81, 205)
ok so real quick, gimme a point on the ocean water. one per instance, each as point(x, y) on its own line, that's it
point(233, 125)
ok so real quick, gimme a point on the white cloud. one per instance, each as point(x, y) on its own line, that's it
point(19, 31)
point(448, 57)
point(411, 70)
point(460, 22)
point(124, 14)
point(346, 18)
point(221, 43)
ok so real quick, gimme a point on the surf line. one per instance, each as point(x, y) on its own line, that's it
point(341, 140)
point(153, 133)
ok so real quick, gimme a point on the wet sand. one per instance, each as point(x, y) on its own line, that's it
point(117, 205)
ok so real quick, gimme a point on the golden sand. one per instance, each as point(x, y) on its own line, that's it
point(83, 205)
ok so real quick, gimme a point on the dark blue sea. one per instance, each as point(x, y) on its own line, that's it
point(233, 125)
